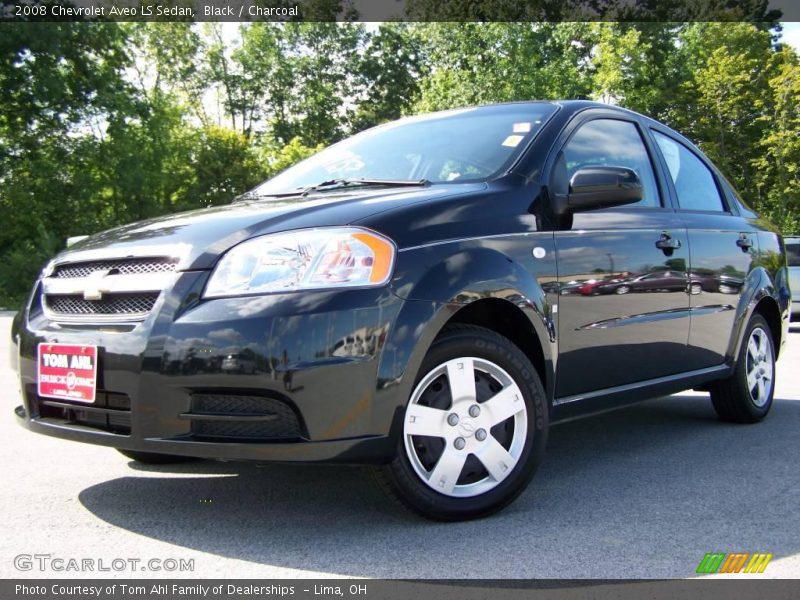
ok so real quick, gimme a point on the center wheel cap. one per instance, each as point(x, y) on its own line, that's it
point(466, 427)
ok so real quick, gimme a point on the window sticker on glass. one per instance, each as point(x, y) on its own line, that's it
point(512, 141)
point(522, 127)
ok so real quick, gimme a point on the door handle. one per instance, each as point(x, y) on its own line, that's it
point(667, 242)
point(744, 242)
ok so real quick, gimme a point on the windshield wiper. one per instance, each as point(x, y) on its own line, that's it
point(333, 184)
point(253, 196)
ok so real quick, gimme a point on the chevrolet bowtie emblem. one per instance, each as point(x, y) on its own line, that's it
point(93, 290)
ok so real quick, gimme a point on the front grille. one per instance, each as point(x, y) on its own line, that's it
point(118, 304)
point(126, 266)
point(107, 290)
point(243, 418)
point(110, 411)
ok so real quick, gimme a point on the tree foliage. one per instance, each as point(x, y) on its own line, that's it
point(106, 123)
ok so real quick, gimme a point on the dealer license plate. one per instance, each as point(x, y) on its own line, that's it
point(67, 372)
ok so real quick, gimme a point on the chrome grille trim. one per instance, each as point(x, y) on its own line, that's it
point(110, 284)
point(129, 305)
point(116, 290)
point(124, 266)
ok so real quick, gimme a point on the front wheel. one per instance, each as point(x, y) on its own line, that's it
point(746, 396)
point(474, 430)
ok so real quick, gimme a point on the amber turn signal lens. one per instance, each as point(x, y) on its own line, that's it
point(383, 253)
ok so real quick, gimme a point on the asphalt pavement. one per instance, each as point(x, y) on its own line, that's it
point(641, 492)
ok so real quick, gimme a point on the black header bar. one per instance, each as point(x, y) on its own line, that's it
point(757, 11)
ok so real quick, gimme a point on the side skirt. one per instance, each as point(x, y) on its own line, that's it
point(581, 405)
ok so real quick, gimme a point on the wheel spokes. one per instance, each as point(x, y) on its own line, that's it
point(762, 344)
point(424, 420)
point(759, 366)
point(462, 416)
point(496, 459)
point(761, 394)
point(445, 474)
point(461, 375)
point(752, 349)
point(752, 378)
point(504, 404)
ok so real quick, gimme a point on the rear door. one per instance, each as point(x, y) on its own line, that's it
point(723, 246)
point(615, 331)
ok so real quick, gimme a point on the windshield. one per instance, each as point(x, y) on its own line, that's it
point(459, 145)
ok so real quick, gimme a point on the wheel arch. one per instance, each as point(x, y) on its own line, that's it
point(507, 319)
point(760, 297)
point(478, 286)
point(767, 307)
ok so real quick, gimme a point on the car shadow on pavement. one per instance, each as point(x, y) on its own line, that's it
point(642, 492)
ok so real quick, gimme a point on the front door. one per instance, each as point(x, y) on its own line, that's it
point(623, 272)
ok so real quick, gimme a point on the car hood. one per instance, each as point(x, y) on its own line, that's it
point(199, 237)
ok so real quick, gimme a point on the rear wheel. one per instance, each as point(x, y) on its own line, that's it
point(746, 396)
point(474, 429)
point(153, 458)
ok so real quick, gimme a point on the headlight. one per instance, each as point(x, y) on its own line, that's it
point(307, 259)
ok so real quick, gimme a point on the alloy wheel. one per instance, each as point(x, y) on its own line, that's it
point(759, 367)
point(465, 427)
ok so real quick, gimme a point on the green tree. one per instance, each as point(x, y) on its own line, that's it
point(477, 63)
point(59, 82)
point(224, 164)
point(323, 58)
point(387, 76)
point(279, 158)
point(778, 151)
point(726, 90)
point(106, 123)
point(173, 55)
point(637, 65)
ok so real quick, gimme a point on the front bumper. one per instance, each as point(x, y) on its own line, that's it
point(191, 378)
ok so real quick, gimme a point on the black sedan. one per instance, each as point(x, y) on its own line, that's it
point(396, 300)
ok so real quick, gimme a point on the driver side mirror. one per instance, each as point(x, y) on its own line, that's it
point(600, 187)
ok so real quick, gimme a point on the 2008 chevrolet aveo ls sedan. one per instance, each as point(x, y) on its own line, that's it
point(427, 297)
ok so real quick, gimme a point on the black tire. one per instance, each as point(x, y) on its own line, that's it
point(399, 478)
point(153, 458)
point(623, 289)
point(732, 397)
